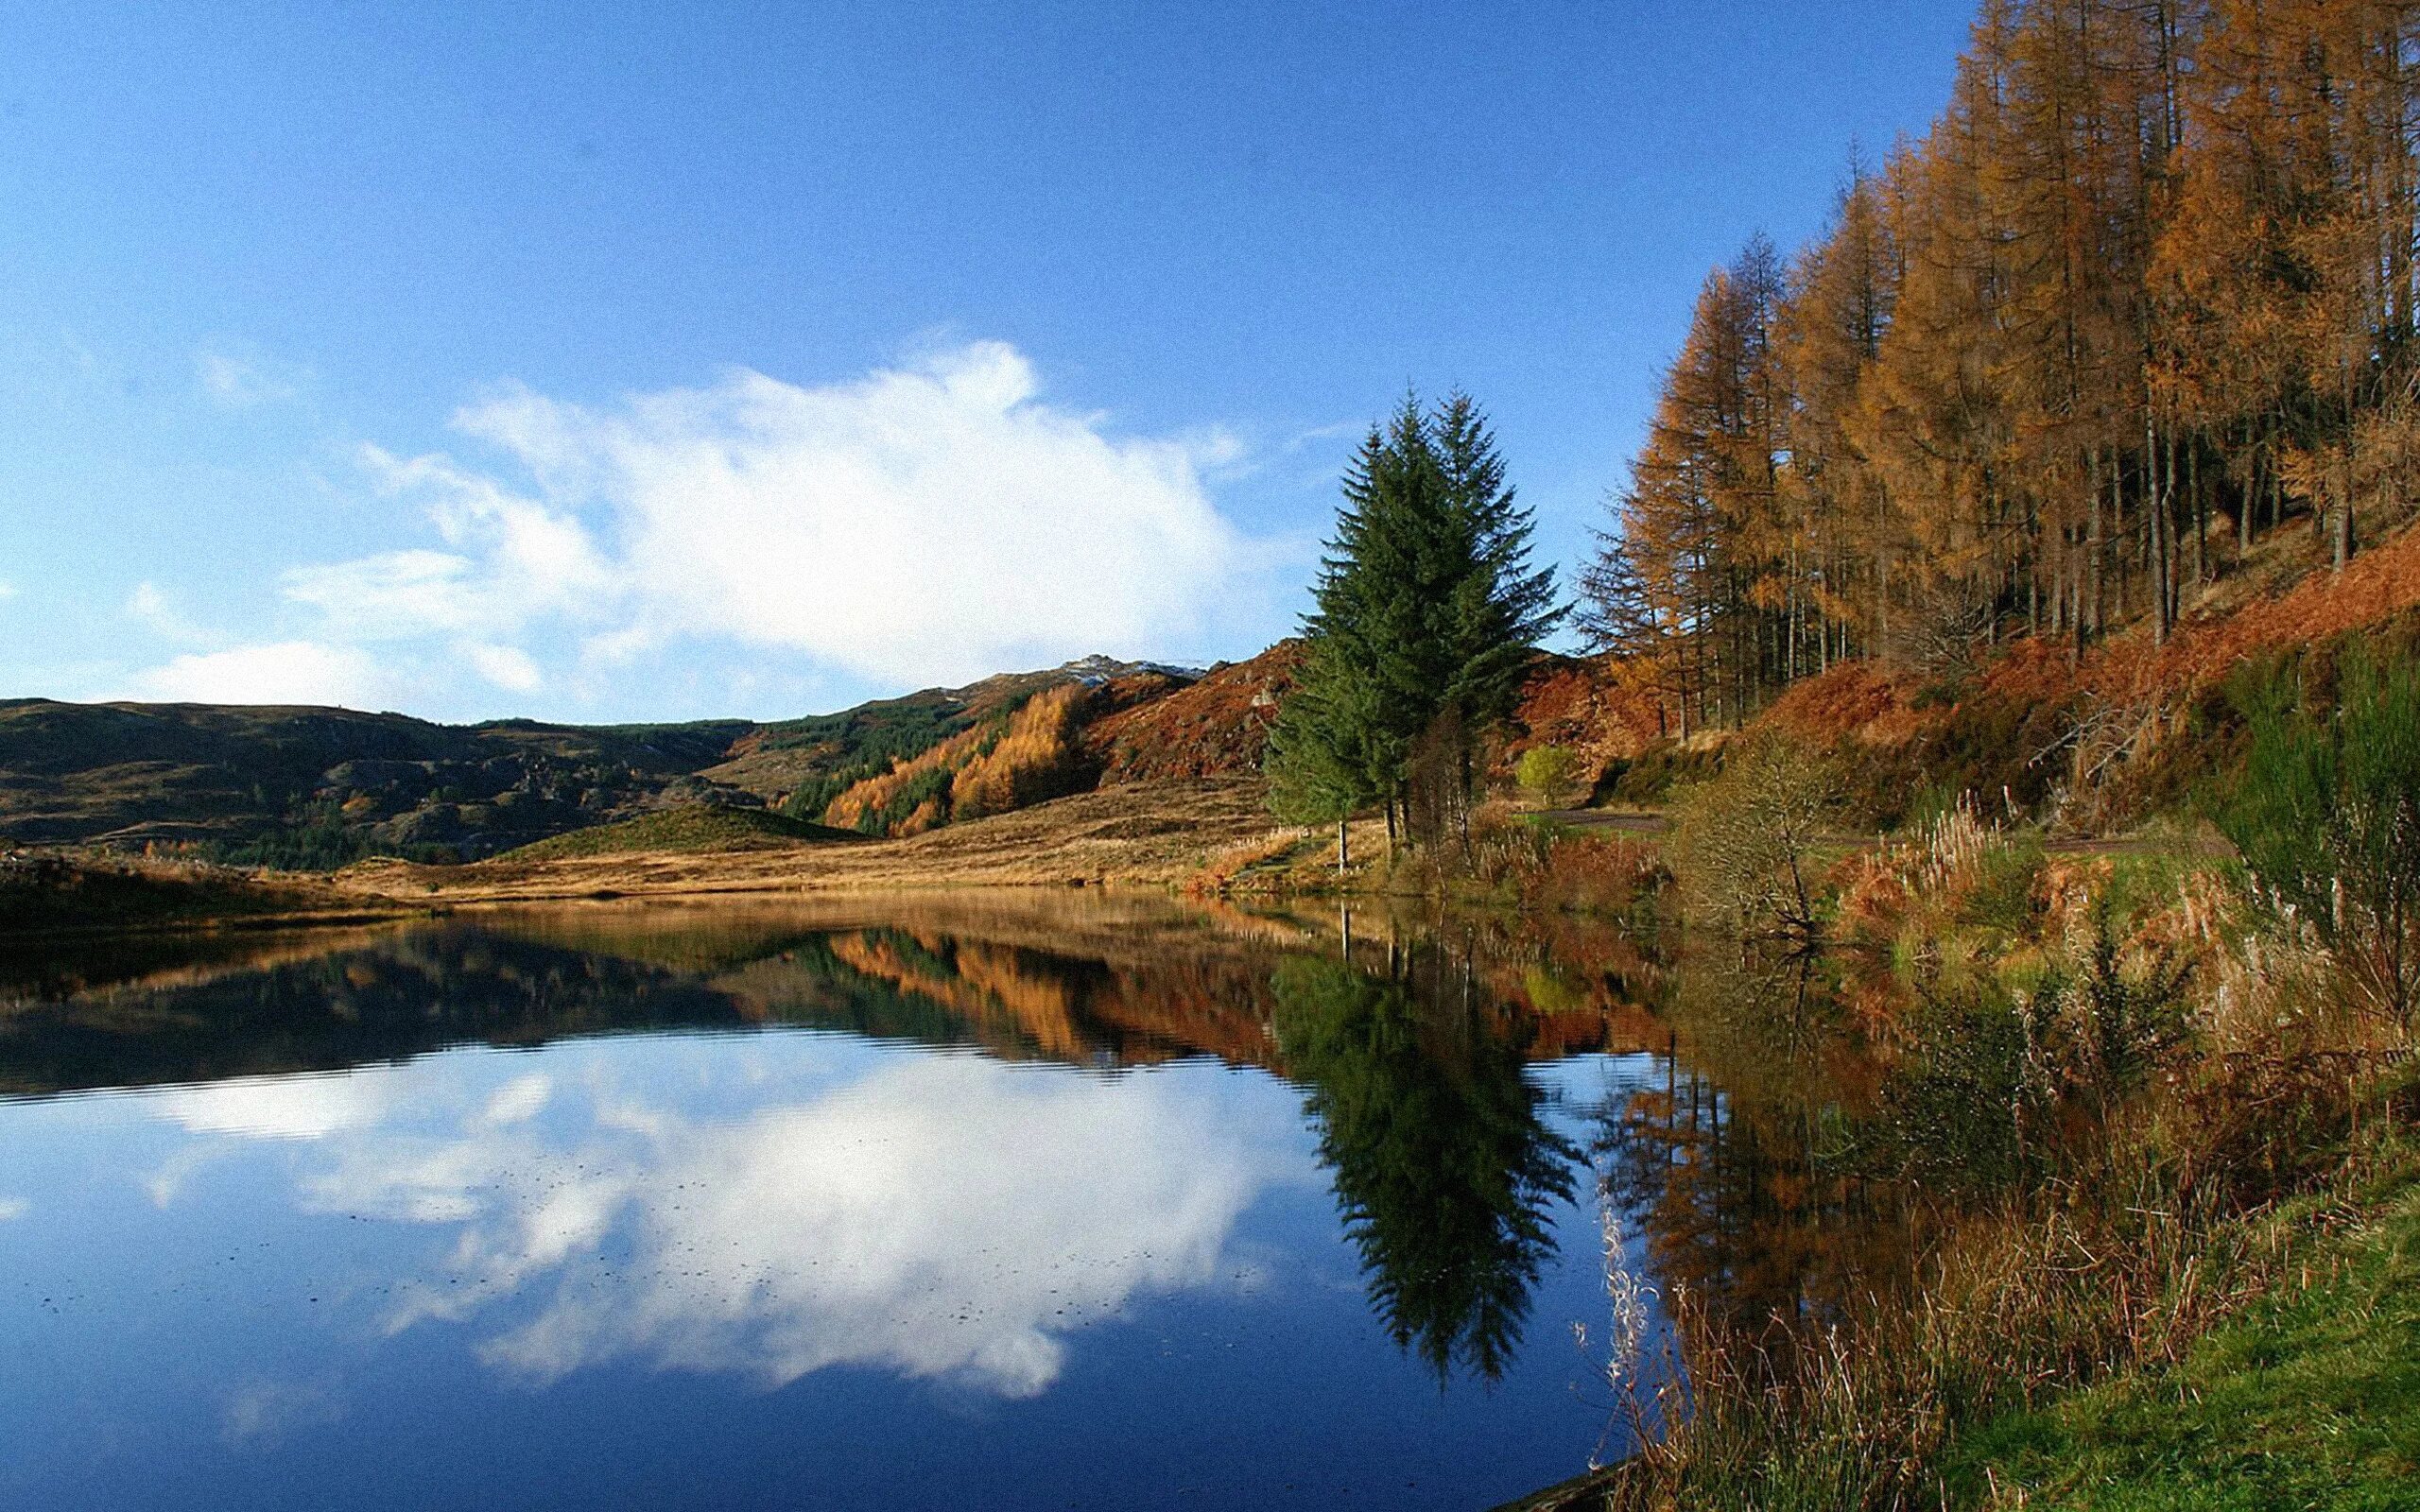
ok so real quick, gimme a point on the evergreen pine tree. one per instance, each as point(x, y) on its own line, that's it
point(1500, 607)
point(1425, 615)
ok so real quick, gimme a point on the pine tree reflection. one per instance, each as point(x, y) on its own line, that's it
point(1444, 1171)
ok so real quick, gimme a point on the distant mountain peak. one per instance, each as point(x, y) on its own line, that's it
point(1099, 669)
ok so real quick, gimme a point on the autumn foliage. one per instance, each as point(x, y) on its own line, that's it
point(2142, 299)
point(1217, 727)
point(1030, 755)
point(1036, 758)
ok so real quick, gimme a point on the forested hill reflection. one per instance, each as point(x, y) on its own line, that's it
point(405, 993)
point(386, 997)
point(1736, 1164)
point(1129, 991)
point(1415, 1049)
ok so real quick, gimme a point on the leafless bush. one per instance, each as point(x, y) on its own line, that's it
point(1743, 841)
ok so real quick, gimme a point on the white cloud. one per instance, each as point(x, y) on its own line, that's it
point(8, 589)
point(242, 385)
point(507, 666)
point(152, 607)
point(280, 672)
point(394, 595)
point(927, 524)
point(938, 1218)
point(293, 1108)
point(924, 523)
point(283, 672)
point(12, 1207)
point(515, 560)
point(265, 1413)
point(519, 1100)
point(945, 1233)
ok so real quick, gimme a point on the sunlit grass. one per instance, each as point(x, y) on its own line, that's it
point(2312, 1400)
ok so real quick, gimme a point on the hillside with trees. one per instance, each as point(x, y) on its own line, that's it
point(315, 788)
point(2139, 303)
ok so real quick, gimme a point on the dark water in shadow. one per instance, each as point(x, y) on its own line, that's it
point(905, 1203)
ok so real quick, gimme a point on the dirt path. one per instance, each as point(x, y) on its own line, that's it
point(1630, 823)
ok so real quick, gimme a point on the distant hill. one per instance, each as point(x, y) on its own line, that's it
point(692, 829)
point(306, 785)
point(314, 787)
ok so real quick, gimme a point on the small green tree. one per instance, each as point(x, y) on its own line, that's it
point(2327, 816)
point(1343, 735)
point(1549, 774)
point(1318, 767)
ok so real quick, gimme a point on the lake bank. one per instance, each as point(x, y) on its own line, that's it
point(73, 893)
point(2140, 1104)
point(1155, 837)
point(2307, 1398)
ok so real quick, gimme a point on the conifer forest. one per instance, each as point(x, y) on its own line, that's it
point(2138, 299)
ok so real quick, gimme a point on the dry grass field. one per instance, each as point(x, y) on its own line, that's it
point(1155, 834)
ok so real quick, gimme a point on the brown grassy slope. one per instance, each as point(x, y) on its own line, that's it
point(1217, 727)
point(1861, 701)
point(44, 892)
point(1153, 834)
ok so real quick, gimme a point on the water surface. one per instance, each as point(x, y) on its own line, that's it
point(868, 1204)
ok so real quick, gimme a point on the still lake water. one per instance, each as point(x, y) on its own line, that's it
point(873, 1203)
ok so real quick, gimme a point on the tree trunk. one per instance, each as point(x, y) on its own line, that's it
point(2344, 509)
point(2155, 487)
point(2200, 511)
point(2250, 499)
point(2088, 618)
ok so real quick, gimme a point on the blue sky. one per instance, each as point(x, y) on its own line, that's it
point(664, 361)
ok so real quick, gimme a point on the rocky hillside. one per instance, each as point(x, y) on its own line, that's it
point(1215, 726)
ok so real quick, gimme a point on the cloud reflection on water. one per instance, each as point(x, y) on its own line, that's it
point(942, 1217)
